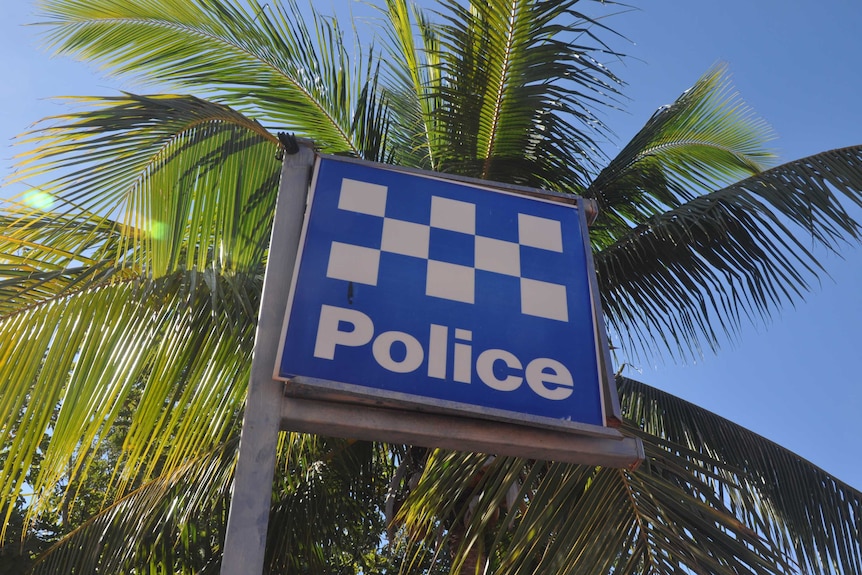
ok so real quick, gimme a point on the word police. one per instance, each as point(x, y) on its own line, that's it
point(401, 352)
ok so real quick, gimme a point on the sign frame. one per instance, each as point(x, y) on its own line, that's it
point(332, 388)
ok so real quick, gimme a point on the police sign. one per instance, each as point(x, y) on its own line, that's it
point(444, 293)
point(421, 311)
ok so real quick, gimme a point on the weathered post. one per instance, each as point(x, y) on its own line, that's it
point(245, 542)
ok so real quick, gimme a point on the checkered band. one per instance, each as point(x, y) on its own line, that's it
point(444, 279)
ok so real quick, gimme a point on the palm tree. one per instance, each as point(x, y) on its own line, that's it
point(131, 287)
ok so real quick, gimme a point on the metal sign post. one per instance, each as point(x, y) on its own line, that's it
point(245, 541)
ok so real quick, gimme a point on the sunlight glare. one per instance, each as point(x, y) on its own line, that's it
point(39, 200)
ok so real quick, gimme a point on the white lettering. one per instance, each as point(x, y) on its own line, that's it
point(329, 335)
point(382, 350)
point(542, 371)
point(485, 368)
point(437, 340)
point(337, 326)
point(463, 357)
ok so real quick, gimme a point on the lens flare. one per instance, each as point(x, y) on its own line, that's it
point(39, 200)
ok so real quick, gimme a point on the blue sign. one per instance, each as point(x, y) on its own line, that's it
point(448, 293)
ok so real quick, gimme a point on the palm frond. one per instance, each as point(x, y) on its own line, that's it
point(324, 517)
point(705, 140)
point(581, 519)
point(194, 182)
point(177, 520)
point(811, 517)
point(159, 351)
point(681, 279)
point(263, 59)
point(712, 497)
point(156, 318)
point(519, 85)
point(44, 257)
point(411, 72)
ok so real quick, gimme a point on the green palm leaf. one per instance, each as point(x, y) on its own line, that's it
point(518, 93)
point(47, 257)
point(188, 287)
point(178, 520)
point(711, 497)
point(810, 516)
point(193, 181)
point(167, 350)
point(737, 253)
point(326, 516)
point(179, 517)
point(412, 71)
point(260, 58)
point(705, 140)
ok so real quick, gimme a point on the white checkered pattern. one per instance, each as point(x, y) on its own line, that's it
point(444, 279)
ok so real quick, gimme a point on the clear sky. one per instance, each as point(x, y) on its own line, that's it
point(795, 380)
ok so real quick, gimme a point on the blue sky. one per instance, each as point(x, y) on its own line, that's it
point(795, 380)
